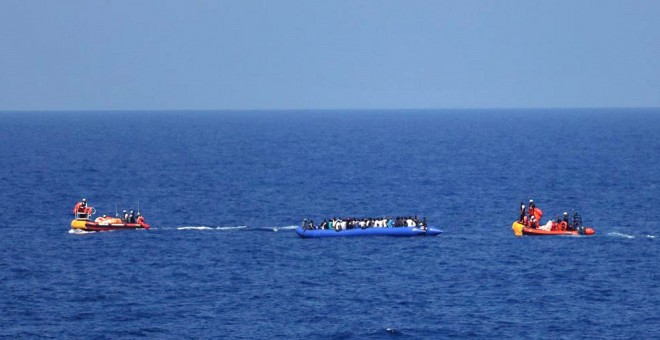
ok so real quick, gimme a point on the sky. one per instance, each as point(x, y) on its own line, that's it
point(359, 54)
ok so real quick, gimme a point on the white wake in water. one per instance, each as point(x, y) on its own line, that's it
point(288, 227)
point(194, 228)
point(80, 232)
point(232, 228)
point(616, 234)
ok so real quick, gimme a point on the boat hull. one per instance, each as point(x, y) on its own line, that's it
point(398, 231)
point(519, 230)
point(87, 225)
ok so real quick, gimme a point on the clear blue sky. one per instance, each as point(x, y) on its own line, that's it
point(106, 55)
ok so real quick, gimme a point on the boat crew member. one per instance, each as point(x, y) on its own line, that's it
point(565, 224)
point(124, 216)
point(80, 204)
point(131, 217)
point(140, 219)
point(535, 212)
point(521, 217)
point(82, 210)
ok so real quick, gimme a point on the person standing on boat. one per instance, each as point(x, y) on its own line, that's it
point(82, 210)
point(565, 224)
point(521, 217)
point(139, 219)
point(80, 206)
point(124, 216)
point(534, 212)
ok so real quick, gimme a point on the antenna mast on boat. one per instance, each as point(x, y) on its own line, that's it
point(116, 211)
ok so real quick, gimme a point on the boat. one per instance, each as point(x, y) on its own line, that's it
point(86, 224)
point(83, 221)
point(371, 231)
point(520, 229)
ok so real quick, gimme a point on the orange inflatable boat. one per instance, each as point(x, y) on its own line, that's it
point(520, 229)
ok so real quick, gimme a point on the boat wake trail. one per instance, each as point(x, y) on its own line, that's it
point(622, 235)
point(288, 227)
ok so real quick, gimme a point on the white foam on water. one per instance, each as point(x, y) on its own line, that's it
point(80, 232)
point(194, 228)
point(650, 236)
point(616, 234)
point(232, 228)
point(288, 227)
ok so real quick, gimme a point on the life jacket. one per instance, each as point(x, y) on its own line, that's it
point(563, 225)
point(537, 213)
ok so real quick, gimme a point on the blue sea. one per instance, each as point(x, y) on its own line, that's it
point(224, 191)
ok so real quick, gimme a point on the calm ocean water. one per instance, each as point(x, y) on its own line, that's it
point(223, 191)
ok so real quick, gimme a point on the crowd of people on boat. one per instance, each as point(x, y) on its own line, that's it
point(530, 216)
point(339, 224)
point(82, 210)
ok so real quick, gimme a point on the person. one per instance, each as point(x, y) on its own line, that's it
point(521, 217)
point(564, 223)
point(533, 223)
point(535, 212)
point(577, 223)
point(556, 224)
point(82, 203)
point(139, 219)
point(81, 209)
point(131, 217)
point(124, 216)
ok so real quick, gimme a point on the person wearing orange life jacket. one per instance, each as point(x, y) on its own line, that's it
point(534, 212)
point(81, 208)
point(82, 203)
point(139, 219)
point(564, 223)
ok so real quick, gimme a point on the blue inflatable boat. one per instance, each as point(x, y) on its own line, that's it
point(373, 231)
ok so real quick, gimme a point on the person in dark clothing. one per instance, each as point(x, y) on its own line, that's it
point(521, 216)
